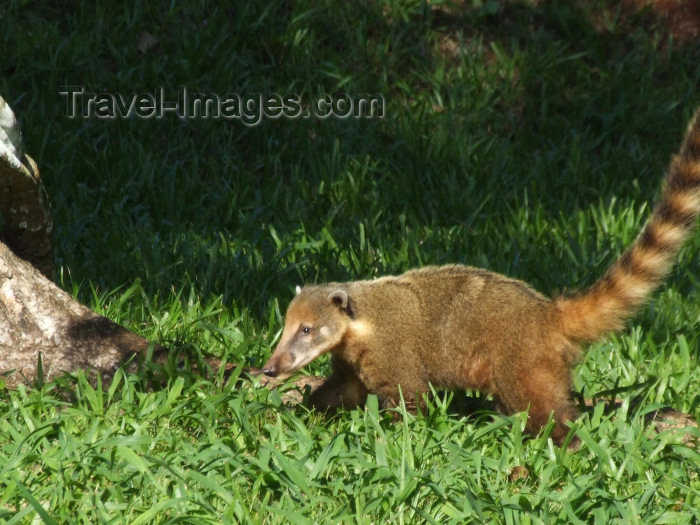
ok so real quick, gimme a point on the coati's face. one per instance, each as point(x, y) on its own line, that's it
point(316, 321)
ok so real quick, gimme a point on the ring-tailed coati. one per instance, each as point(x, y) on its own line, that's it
point(460, 327)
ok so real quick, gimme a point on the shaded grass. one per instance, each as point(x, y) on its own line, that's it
point(524, 138)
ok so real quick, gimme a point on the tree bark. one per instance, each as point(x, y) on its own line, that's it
point(28, 227)
point(38, 320)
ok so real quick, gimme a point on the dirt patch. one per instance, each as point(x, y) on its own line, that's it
point(680, 18)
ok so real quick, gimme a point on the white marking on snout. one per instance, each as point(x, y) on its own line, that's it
point(304, 358)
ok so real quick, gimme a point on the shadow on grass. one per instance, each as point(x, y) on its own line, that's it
point(486, 105)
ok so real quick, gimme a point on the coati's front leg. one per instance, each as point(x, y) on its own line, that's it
point(348, 388)
point(392, 383)
point(342, 389)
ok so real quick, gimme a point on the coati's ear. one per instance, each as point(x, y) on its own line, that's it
point(297, 290)
point(341, 300)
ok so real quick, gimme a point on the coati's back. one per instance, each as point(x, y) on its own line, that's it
point(473, 323)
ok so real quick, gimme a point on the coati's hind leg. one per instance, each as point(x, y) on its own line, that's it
point(545, 392)
point(342, 389)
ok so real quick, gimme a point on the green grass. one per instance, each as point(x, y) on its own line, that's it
point(533, 151)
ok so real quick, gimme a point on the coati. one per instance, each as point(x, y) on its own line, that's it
point(459, 327)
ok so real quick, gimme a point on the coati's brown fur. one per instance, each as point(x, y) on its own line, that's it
point(460, 327)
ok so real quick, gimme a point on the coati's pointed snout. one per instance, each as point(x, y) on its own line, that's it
point(281, 363)
point(272, 366)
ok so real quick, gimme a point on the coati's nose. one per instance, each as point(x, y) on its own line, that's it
point(270, 371)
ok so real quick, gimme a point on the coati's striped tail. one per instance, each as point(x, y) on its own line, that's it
point(609, 302)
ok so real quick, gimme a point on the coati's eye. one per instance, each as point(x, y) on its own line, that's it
point(306, 330)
